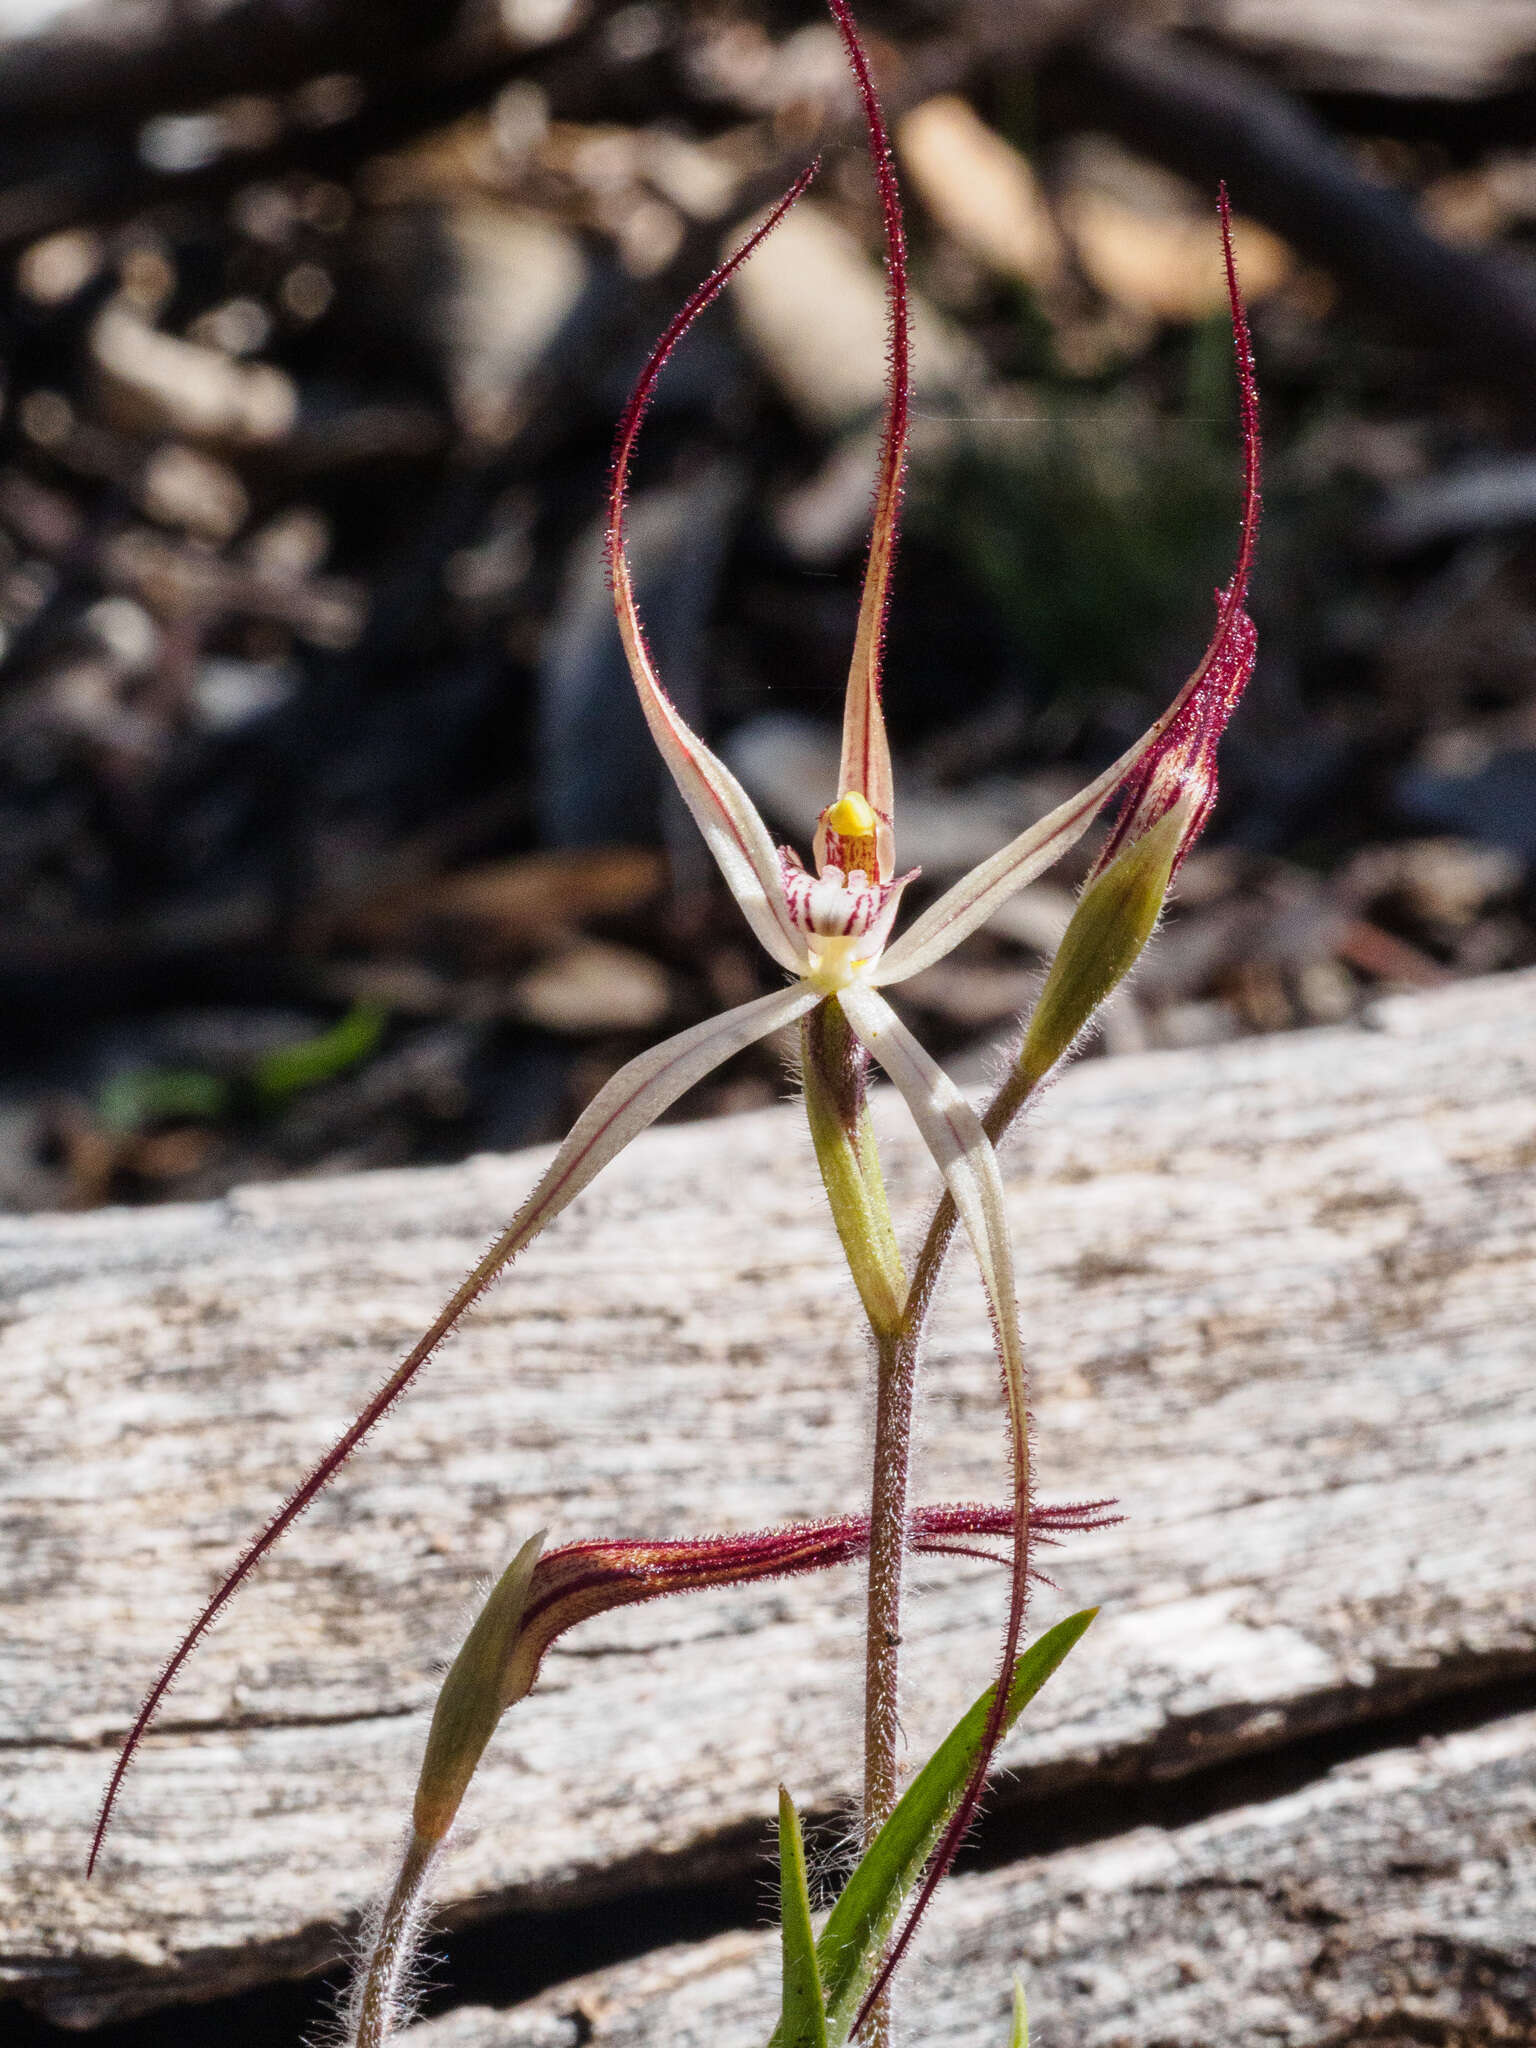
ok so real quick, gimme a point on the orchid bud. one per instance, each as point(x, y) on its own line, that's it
point(1178, 772)
point(542, 1594)
point(474, 1696)
point(1115, 916)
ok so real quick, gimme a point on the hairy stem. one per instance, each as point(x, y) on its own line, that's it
point(898, 1361)
point(382, 2002)
point(835, 1068)
point(887, 1557)
point(893, 1437)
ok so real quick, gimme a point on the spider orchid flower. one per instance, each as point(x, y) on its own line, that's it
point(831, 931)
point(830, 927)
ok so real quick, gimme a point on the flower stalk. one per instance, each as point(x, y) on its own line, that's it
point(381, 2002)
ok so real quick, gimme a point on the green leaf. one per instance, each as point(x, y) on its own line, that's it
point(133, 1101)
point(804, 2022)
point(1019, 2038)
point(277, 1075)
point(856, 1931)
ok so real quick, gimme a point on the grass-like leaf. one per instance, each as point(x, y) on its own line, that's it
point(1019, 2038)
point(804, 2020)
point(292, 1068)
point(856, 1930)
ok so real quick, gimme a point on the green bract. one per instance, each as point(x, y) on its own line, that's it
point(804, 2024)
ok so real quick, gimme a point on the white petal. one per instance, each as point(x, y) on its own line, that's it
point(963, 1153)
point(635, 1097)
point(733, 831)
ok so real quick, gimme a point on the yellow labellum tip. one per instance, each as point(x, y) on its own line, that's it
point(852, 816)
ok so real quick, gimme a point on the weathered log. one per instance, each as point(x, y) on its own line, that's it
point(1391, 1901)
point(1278, 1296)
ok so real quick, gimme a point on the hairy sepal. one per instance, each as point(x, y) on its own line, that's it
point(733, 831)
point(866, 754)
point(631, 1101)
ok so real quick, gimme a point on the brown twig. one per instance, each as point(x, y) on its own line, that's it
point(1211, 118)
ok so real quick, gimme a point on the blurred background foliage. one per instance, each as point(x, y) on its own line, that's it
point(329, 835)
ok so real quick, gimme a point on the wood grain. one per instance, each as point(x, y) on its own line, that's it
point(1390, 1902)
point(1278, 1298)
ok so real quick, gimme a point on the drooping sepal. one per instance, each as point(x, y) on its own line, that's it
point(625, 1106)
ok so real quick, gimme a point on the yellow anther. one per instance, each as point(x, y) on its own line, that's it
point(851, 817)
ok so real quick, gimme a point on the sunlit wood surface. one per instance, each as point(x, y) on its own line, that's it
point(1278, 1297)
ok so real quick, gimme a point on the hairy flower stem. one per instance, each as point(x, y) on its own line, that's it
point(380, 2008)
point(835, 1068)
point(893, 1438)
point(887, 1559)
